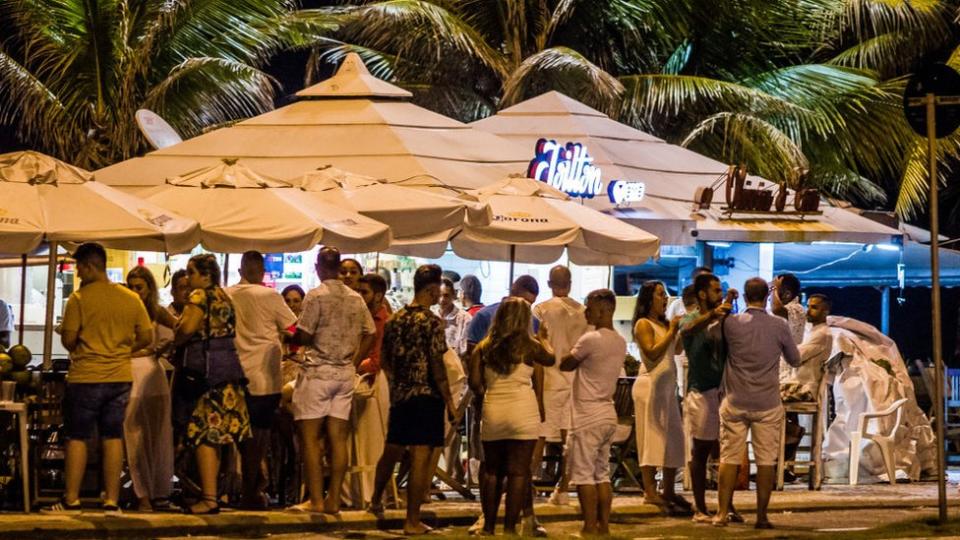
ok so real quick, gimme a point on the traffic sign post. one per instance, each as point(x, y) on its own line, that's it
point(932, 111)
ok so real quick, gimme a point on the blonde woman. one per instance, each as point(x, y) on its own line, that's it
point(501, 370)
point(148, 432)
point(659, 425)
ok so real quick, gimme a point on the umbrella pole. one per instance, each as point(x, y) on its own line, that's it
point(513, 258)
point(23, 294)
point(51, 298)
point(226, 268)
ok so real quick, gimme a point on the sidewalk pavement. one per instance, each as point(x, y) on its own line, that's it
point(94, 524)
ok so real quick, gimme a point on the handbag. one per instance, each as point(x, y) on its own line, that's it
point(208, 362)
point(364, 386)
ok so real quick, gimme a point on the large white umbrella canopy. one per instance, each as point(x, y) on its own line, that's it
point(352, 121)
point(410, 212)
point(239, 209)
point(533, 222)
point(43, 199)
point(671, 175)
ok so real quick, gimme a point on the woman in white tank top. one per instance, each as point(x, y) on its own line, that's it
point(659, 426)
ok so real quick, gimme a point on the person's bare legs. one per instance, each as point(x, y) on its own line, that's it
point(76, 465)
point(311, 451)
point(650, 494)
point(697, 468)
point(587, 494)
point(388, 460)
point(112, 457)
point(728, 481)
point(766, 476)
point(338, 435)
point(538, 447)
point(208, 465)
point(417, 484)
point(604, 506)
point(519, 454)
point(563, 486)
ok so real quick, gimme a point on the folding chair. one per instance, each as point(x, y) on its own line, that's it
point(440, 473)
point(624, 438)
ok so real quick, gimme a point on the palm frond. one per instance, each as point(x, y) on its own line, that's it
point(418, 31)
point(567, 71)
point(915, 179)
point(741, 138)
point(203, 91)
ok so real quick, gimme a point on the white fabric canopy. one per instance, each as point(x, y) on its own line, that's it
point(671, 175)
point(239, 209)
point(352, 121)
point(539, 222)
point(410, 212)
point(43, 199)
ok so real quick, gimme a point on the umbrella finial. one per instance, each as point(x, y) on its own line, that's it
point(230, 161)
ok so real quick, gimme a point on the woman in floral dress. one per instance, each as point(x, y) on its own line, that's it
point(210, 373)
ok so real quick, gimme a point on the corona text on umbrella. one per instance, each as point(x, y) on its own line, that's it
point(570, 169)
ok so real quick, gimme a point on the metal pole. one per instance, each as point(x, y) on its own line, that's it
point(51, 299)
point(23, 295)
point(226, 269)
point(513, 257)
point(935, 304)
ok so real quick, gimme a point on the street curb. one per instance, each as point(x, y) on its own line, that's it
point(133, 525)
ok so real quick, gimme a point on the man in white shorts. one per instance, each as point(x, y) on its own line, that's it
point(596, 359)
point(564, 321)
point(338, 332)
point(751, 396)
point(703, 345)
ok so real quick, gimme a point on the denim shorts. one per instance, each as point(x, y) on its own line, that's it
point(95, 409)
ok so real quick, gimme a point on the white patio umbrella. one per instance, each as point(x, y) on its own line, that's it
point(533, 222)
point(44, 200)
point(239, 209)
point(421, 220)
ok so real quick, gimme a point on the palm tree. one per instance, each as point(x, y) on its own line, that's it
point(73, 72)
point(781, 85)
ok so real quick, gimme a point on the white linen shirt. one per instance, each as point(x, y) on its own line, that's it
point(563, 317)
point(262, 317)
point(337, 318)
point(455, 329)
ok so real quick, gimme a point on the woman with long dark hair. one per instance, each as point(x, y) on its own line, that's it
point(501, 371)
point(659, 426)
point(147, 431)
point(209, 382)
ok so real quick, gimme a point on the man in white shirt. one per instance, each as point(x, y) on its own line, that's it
point(338, 330)
point(785, 302)
point(455, 319)
point(596, 359)
point(563, 319)
point(803, 382)
point(262, 320)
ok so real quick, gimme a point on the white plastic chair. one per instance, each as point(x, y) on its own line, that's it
point(884, 441)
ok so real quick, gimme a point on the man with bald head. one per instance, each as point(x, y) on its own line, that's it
point(338, 332)
point(262, 320)
point(563, 319)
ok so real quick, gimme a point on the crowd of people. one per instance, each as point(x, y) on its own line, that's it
point(370, 386)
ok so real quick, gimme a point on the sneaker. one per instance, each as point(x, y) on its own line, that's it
point(477, 528)
point(531, 527)
point(559, 498)
point(700, 517)
point(111, 510)
point(62, 508)
point(719, 522)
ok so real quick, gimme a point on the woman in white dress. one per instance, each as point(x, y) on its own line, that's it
point(148, 431)
point(501, 370)
point(659, 426)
